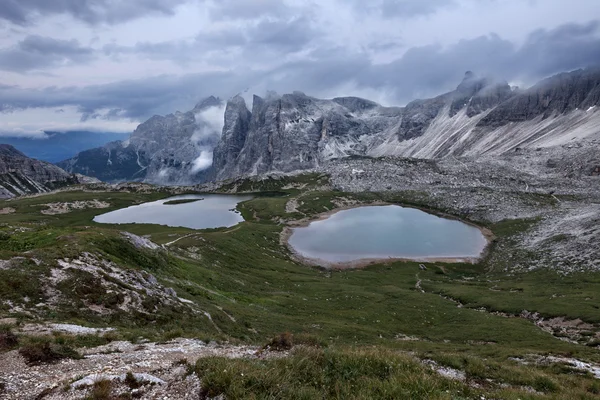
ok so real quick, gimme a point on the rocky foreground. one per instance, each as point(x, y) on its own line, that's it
point(143, 370)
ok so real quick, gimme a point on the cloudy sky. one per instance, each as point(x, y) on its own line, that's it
point(107, 65)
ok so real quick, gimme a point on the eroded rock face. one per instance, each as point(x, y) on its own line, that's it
point(560, 94)
point(20, 174)
point(293, 132)
point(482, 116)
point(170, 149)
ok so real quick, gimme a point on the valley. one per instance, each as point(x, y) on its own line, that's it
point(523, 322)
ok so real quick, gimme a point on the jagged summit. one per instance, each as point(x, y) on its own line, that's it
point(169, 149)
point(294, 131)
point(210, 101)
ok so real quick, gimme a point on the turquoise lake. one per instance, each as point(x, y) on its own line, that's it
point(383, 232)
point(210, 211)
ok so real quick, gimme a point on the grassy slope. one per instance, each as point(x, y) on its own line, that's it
point(244, 273)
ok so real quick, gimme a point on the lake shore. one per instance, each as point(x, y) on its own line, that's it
point(288, 230)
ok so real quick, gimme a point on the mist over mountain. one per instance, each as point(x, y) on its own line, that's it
point(294, 132)
point(172, 149)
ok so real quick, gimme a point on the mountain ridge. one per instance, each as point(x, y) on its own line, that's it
point(21, 175)
point(295, 132)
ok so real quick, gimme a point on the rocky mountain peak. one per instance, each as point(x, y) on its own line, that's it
point(210, 101)
point(356, 104)
point(478, 94)
point(236, 101)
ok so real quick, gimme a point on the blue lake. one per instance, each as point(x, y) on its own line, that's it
point(210, 211)
point(383, 232)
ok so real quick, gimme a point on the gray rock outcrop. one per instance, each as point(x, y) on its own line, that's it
point(21, 175)
point(483, 116)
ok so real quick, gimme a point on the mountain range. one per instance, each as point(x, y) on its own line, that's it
point(295, 132)
point(481, 117)
point(292, 132)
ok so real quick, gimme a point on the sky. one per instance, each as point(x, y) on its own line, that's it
point(107, 65)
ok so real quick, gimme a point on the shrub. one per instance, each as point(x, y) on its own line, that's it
point(42, 350)
point(594, 388)
point(544, 384)
point(8, 339)
point(102, 390)
point(283, 341)
point(131, 381)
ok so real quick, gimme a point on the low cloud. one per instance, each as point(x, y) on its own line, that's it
point(203, 162)
point(32, 123)
point(210, 125)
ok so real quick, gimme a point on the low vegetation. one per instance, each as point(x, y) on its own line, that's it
point(368, 333)
point(41, 350)
point(8, 340)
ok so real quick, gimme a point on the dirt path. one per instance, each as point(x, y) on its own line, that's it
point(179, 238)
point(418, 284)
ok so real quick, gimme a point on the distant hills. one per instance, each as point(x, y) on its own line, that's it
point(59, 146)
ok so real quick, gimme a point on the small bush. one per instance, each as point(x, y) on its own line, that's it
point(8, 339)
point(309, 340)
point(544, 384)
point(594, 388)
point(131, 381)
point(102, 390)
point(593, 343)
point(281, 342)
point(42, 350)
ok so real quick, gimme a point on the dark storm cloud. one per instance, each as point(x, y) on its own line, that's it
point(38, 52)
point(402, 8)
point(420, 72)
point(256, 9)
point(276, 36)
point(134, 99)
point(283, 35)
point(22, 12)
point(566, 47)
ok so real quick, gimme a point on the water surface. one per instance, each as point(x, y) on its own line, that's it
point(212, 211)
point(381, 232)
